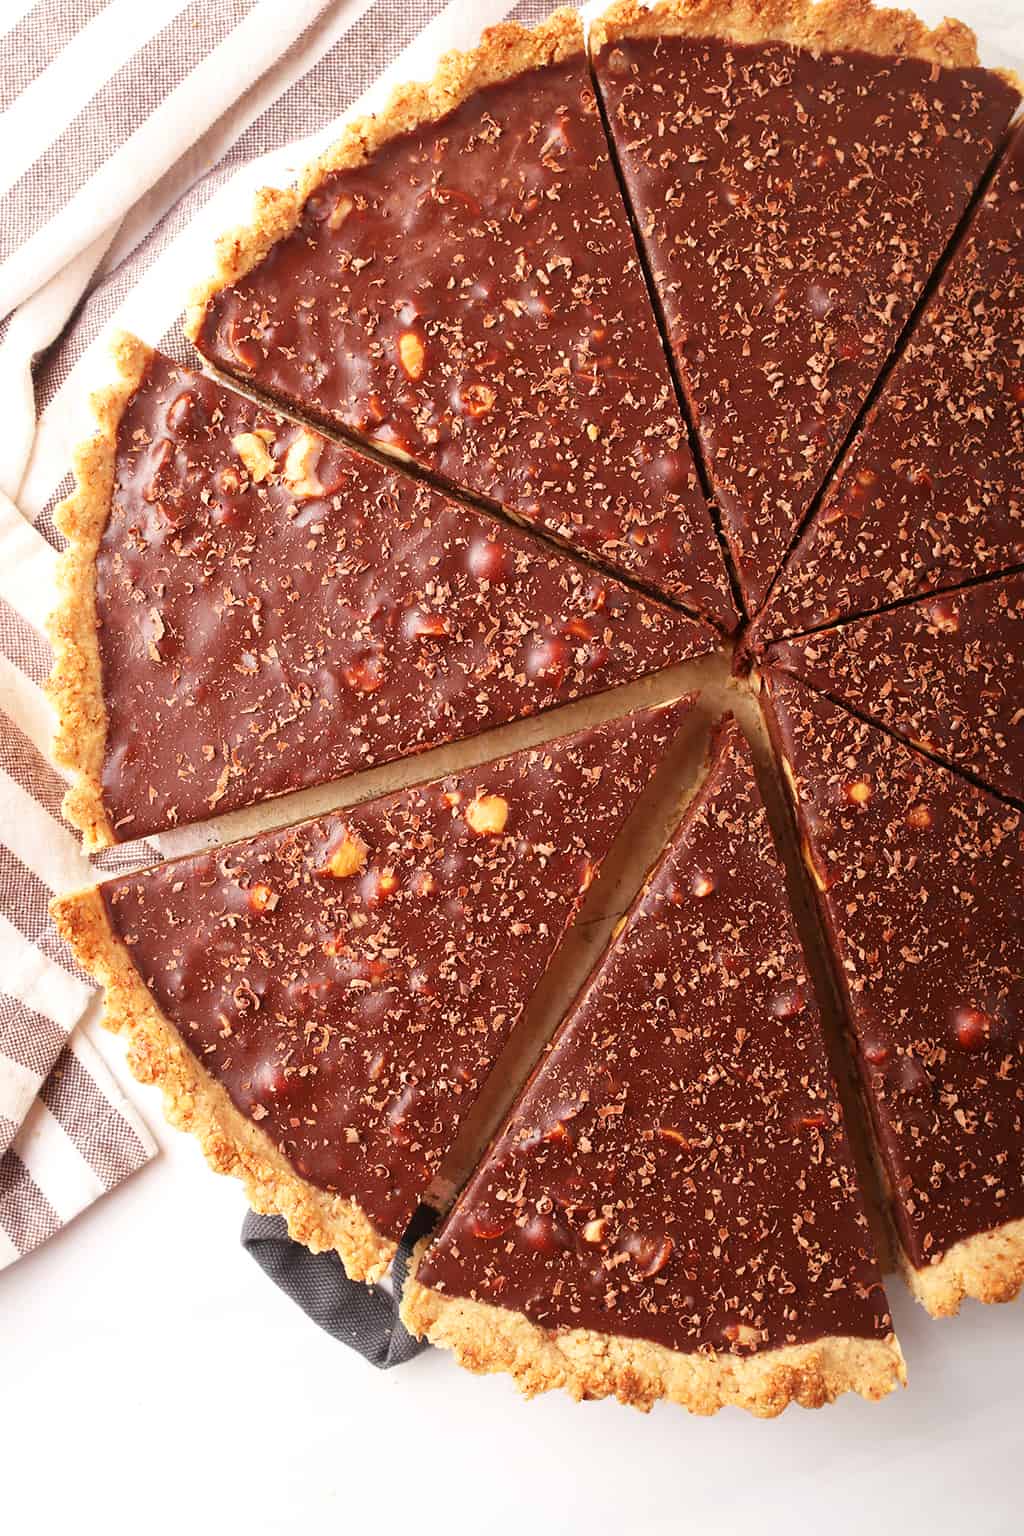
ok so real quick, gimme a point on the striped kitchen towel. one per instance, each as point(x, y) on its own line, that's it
point(133, 133)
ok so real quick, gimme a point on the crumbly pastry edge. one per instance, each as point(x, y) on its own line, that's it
point(987, 1267)
point(75, 684)
point(487, 1339)
point(196, 1103)
point(826, 26)
point(504, 51)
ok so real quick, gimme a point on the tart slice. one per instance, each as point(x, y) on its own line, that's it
point(796, 171)
point(277, 611)
point(672, 1210)
point(322, 1005)
point(457, 281)
point(931, 491)
point(945, 672)
point(920, 878)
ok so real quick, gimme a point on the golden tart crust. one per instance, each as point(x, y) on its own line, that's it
point(987, 1267)
point(75, 685)
point(831, 26)
point(586, 1364)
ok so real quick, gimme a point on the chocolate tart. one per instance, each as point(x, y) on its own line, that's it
point(322, 1005)
point(796, 171)
point(920, 881)
point(672, 1210)
point(945, 672)
point(278, 611)
point(456, 280)
point(931, 491)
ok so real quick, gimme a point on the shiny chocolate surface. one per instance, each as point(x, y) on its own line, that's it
point(350, 980)
point(931, 492)
point(277, 611)
point(945, 672)
point(472, 297)
point(921, 883)
point(677, 1169)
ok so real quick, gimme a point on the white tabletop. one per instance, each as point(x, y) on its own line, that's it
point(153, 1380)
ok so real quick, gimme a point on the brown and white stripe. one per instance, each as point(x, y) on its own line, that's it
point(133, 133)
point(78, 1139)
point(66, 1134)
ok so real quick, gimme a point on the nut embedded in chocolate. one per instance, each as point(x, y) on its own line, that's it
point(458, 281)
point(279, 627)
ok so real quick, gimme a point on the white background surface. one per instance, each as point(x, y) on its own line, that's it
point(152, 1380)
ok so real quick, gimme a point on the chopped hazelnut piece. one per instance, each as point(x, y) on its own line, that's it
point(347, 858)
point(787, 1004)
point(364, 676)
point(411, 354)
point(180, 411)
point(242, 347)
point(741, 1333)
point(300, 465)
point(489, 560)
point(425, 626)
point(488, 1227)
point(651, 1259)
point(386, 885)
point(487, 815)
point(252, 450)
point(944, 617)
point(477, 399)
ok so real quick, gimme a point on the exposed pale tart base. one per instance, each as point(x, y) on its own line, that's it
point(195, 1102)
point(75, 685)
point(988, 1267)
point(585, 1364)
point(504, 51)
